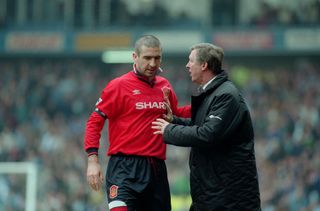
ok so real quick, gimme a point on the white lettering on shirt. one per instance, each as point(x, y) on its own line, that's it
point(150, 105)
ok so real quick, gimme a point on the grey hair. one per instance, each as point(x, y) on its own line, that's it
point(149, 41)
point(212, 54)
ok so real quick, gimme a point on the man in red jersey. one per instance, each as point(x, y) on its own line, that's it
point(136, 177)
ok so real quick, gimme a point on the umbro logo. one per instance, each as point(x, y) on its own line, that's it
point(136, 92)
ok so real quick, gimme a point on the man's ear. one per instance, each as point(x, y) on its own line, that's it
point(134, 56)
point(204, 65)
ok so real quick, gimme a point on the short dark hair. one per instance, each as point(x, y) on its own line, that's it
point(149, 41)
point(213, 55)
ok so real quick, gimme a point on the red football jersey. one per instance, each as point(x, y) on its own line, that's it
point(130, 106)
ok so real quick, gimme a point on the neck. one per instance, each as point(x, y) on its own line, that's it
point(148, 80)
point(206, 78)
point(208, 82)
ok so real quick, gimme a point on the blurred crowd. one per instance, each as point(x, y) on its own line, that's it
point(106, 14)
point(285, 108)
point(224, 13)
point(296, 13)
point(44, 105)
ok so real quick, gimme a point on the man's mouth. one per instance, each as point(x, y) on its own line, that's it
point(151, 71)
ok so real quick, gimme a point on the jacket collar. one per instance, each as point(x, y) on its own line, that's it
point(219, 79)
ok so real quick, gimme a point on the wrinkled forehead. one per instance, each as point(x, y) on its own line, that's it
point(150, 51)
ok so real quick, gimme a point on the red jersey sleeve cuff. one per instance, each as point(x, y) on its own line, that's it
point(92, 151)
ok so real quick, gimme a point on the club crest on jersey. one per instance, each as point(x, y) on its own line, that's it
point(166, 91)
point(113, 191)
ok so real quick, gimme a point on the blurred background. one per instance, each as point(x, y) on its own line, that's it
point(52, 73)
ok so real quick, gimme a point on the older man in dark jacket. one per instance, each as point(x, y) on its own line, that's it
point(223, 174)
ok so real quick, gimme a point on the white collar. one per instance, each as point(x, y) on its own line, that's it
point(205, 86)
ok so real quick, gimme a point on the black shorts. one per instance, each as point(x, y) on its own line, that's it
point(140, 183)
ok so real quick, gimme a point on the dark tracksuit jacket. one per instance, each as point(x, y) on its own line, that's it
point(223, 174)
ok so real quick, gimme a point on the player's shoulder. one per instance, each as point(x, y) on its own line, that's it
point(115, 83)
point(161, 79)
point(162, 82)
point(120, 78)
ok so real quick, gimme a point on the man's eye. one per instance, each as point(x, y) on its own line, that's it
point(149, 58)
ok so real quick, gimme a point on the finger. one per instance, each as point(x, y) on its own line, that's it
point(97, 186)
point(167, 107)
point(101, 178)
point(160, 120)
point(156, 123)
point(167, 104)
point(90, 180)
point(156, 127)
point(95, 180)
point(92, 185)
point(167, 101)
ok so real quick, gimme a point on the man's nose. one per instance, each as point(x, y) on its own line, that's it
point(153, 62)
point(187, 67)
